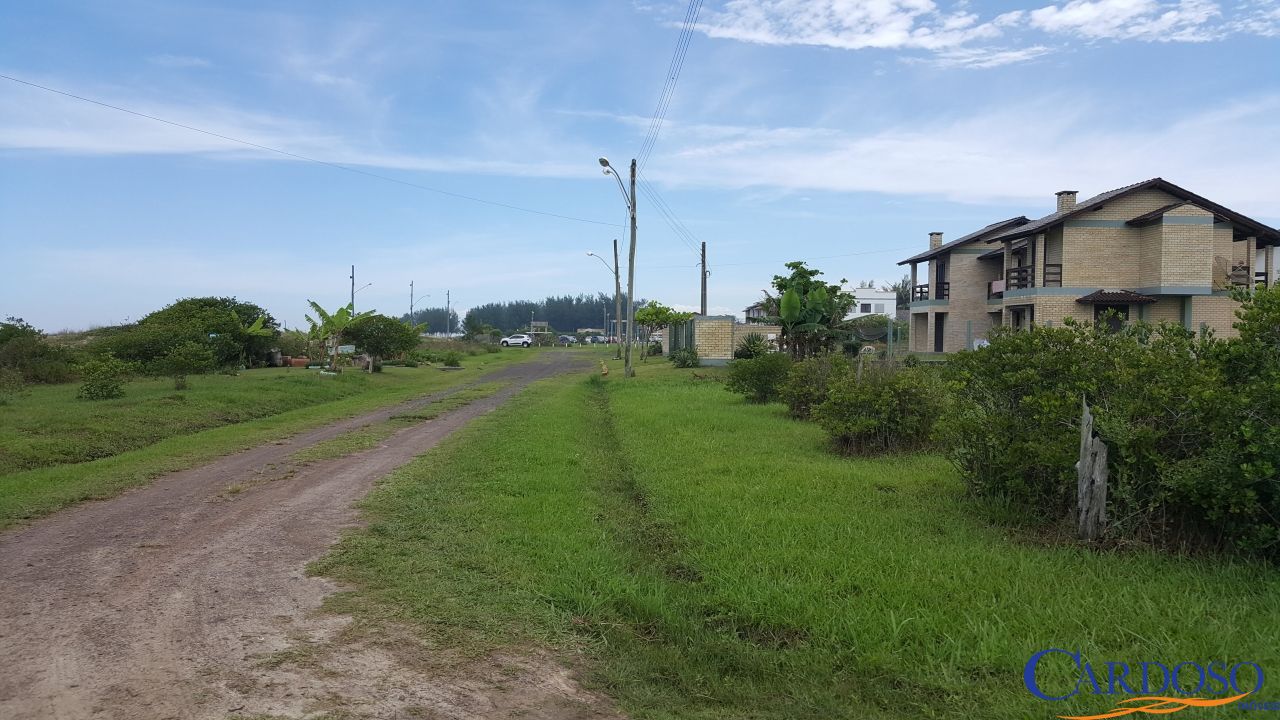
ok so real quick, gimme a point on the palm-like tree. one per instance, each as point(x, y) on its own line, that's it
point(331, 327)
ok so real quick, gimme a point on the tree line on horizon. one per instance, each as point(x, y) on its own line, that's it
point(566, 313)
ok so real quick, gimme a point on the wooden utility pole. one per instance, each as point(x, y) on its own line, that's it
point(704, 279)
point(353, 289)
point(628, 370)
point(617, 300)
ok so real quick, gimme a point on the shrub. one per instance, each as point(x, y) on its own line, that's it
point(293, 343)
point(808, 382)
point(1189, 423)
point(655, 348)
point(685, 358)
point(453, 359)
point(759, 378)
point(751, 345)
point(103, 378)
point(11, 385)
point(888, 410)
point(188, 358)
point(25, 349)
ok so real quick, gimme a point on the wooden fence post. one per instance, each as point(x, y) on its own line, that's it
point(1091, 474)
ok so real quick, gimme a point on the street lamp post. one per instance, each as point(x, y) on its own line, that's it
point(617, 292)
point(628, 370)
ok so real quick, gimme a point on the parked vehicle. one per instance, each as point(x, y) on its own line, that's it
point(518, 339)
point(567, 340)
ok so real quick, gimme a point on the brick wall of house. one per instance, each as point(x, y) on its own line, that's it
point(1186, 251)
point(1150, 261)
point(1216, 311)
point(1095, 257)
point(1168, 308)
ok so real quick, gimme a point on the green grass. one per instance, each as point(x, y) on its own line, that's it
point(704, 558)
point(148, 432)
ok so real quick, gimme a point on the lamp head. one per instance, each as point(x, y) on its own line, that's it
point(604, 162)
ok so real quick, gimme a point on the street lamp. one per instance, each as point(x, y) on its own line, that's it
point(617, 292)
point(630, 198)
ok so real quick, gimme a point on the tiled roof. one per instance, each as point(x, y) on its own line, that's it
point(1036, 226)
point(1266, 235)
point(978, 235)
point(1115, 297)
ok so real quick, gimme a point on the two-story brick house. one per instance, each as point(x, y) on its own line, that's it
point(1151, 251)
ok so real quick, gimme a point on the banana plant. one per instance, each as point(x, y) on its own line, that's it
point(331, 327)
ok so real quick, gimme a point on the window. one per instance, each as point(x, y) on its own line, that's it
point(866, 307)
point(879, 307)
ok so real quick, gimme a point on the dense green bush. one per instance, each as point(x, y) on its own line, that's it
point(11, 385)
point(759, 378)
point(1190, 423)
point(293, 343)
point(887, 410)
point(103, 378)
point(751, 345)
point(26, 350)
point(230, 327)
point(685, 358)
point(188, 358)
point(808, 382)
point(452, 358)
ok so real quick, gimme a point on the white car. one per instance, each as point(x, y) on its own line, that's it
point(518, 339)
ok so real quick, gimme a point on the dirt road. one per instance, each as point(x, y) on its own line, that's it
point(180, 599)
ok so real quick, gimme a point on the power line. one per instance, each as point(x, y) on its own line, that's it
point(669, 85)
point(668, 215)
point(326, 163)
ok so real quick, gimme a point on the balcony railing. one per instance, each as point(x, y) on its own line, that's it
point(942, 291)
point(995, 289)
point(920, 292)
point(1024, 276)
point(1017, 278)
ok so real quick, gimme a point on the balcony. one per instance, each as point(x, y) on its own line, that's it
point(1017, 278)
point(1024, 276)
point(995, 289)
point(920, 292)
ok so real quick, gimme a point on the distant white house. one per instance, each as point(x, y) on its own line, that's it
point(872, 302)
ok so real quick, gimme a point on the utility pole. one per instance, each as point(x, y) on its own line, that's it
point(448, 317)
point(704, 279)
point(617, 298)
point(410, 302)
point(630, 371)
point(353, 289)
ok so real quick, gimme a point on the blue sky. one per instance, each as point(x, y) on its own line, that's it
point(840, 131)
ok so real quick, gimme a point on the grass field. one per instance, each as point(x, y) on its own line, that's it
point(56, 449)
point(697, 557)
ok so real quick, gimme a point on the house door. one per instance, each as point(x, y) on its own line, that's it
point(939, 330)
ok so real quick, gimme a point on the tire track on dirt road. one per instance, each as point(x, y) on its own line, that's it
point(161, 603)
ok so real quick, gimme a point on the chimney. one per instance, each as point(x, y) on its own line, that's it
point(935, 240)
point(1066, 199)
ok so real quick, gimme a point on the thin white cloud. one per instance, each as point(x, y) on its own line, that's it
point(997, 155)
point(1148, 20)
point(987, 57)
point(960, 38)
point(845, 24)
point(33, 119)
point(179, 61)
